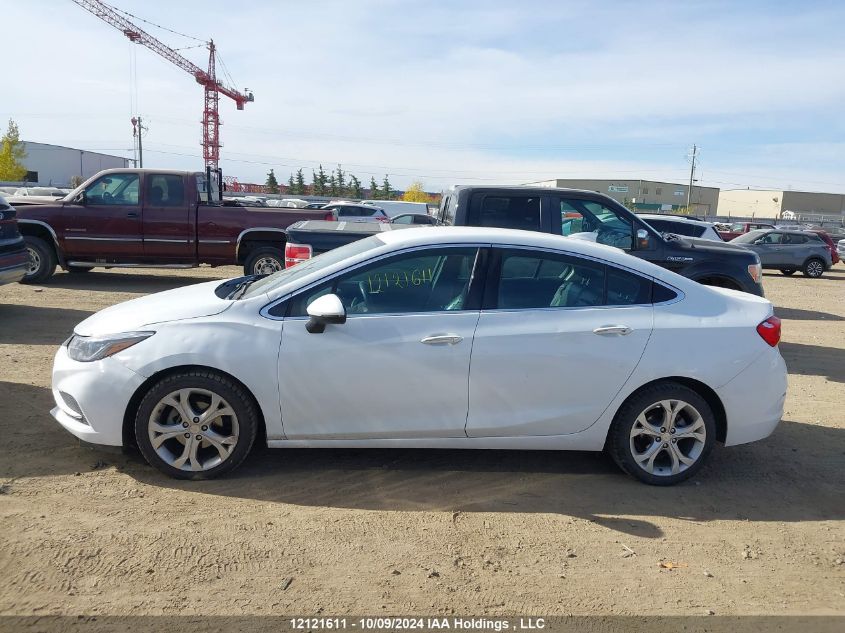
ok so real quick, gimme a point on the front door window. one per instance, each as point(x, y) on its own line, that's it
point(114, 189)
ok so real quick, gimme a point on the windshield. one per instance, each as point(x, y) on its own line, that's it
point(316, 264)
point(748, 237)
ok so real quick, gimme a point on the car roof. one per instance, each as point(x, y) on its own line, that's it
point(673, 218)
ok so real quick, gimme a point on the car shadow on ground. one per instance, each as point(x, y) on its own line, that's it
point(54, 325)
point(124, 282)
point(795, 475)
point(814, 360)
point(797, 314)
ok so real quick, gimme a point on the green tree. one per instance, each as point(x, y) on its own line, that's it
point(386, 189)
point(415, 193)
point(375, 194)
point(341, 181)
point(322, 181)
point(355, 190)
point(333, 186)
point(299, 182)
point(291, 185)
point(315, 184)
point(12, 154)
point(272, 184)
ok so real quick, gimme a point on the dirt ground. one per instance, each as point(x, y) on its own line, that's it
point(761, 530)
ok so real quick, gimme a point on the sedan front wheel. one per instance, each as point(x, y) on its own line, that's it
point(663, 434)
point(196, 425)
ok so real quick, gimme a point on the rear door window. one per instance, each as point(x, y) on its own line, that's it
point(164, 190)
point(507, 212)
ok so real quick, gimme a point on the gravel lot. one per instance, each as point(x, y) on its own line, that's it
point(760, 531)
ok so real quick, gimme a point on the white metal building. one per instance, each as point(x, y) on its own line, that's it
point(54, 165)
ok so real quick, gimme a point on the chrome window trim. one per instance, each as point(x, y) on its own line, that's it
point(265, 311)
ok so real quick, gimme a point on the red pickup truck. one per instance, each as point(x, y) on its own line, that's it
point(741, 228)
point(153, 218)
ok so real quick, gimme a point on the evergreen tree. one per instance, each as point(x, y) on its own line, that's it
point(341, 182)
point(272, 184)
point(323, 181)
point(333, 186)
point(291, 186)
point(355, 190)
point(386, 189)
point(300, 182)
point(375, 194)
point(315, 184)
point(12, 154)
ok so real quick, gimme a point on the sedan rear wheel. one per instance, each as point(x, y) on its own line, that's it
point(787, 271)
point(663, 434)
point(814, 268)
point(196, 425)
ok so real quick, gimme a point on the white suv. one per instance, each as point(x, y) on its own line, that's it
point(680, 225)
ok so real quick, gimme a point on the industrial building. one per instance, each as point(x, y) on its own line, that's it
point(55, 165)
point(777, 204)
point(645, 195)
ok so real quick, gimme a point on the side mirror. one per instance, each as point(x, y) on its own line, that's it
point(323, 311)
point(642, 238)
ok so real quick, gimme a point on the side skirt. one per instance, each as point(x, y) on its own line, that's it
point(585, 441)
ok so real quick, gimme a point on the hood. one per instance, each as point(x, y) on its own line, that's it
point(710, 247)
point(190, 302)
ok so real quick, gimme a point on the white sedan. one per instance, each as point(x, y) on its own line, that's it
point(479, 338)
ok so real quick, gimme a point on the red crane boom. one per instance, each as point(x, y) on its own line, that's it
point(206, 78)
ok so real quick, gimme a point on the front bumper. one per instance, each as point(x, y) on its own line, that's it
point(99, 394)
point(755, 398)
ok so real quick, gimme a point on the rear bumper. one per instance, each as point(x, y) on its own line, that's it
point(13, 265)
point(754, 399)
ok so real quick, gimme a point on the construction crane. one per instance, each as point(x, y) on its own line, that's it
point(206, 78)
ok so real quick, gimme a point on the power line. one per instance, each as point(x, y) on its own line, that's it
point(158, 26)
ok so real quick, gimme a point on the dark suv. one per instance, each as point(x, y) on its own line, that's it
point(14, 259)
point(598, 218)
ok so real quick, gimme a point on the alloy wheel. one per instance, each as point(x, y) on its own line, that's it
point(34, 261)
point(266, 266)
point(668, 437)
point(815, 269)
point(193, 429)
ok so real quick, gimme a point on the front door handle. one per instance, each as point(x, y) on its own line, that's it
point(606, 330)
point(132, 214)
point(442, 339)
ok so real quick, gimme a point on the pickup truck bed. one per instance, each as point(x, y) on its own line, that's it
point(322, 235)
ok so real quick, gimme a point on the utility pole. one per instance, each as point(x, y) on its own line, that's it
point(691, 176)
point(137, 131)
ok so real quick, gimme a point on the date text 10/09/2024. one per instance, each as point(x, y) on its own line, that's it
point(419, 624)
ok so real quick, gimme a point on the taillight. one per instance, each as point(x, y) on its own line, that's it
point(329, 216)
point(769, 330)
point(383, 219)
point(295, 253)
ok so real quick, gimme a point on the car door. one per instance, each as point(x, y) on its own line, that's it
point(168, 220)
point(398, 367)
point(557, 339)
point(769, 249)
point(105, 223)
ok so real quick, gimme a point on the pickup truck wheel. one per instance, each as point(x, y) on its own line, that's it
point(42, 260)
point(265, 260)
point(814, 268)
point(787, 271)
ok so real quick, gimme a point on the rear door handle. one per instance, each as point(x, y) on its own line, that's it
point(606, 330)
point(442, 339)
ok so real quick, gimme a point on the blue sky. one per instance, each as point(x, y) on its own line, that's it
point(447, 92)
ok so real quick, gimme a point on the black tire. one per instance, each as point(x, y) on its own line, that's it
point(620, 441)
point(42, 260)
point(236, 396)
point(78, 269)
point(813, 268)
point(787, 271)
point(264, 260)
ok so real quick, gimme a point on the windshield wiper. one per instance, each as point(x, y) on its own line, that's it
point(241, 288)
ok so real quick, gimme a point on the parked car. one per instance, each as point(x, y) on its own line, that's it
point(637, 365)
point(831, 245)
point(14, 259)
point(840, 250)
point(789, 251)
point(397, 207)
point(741, 228)
point(152, 218)
point(41, 192)
point(680, 225)
point(578, 214)
point(413, 218)
point(349, 212)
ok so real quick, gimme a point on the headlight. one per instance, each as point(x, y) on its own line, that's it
point(90, 348)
